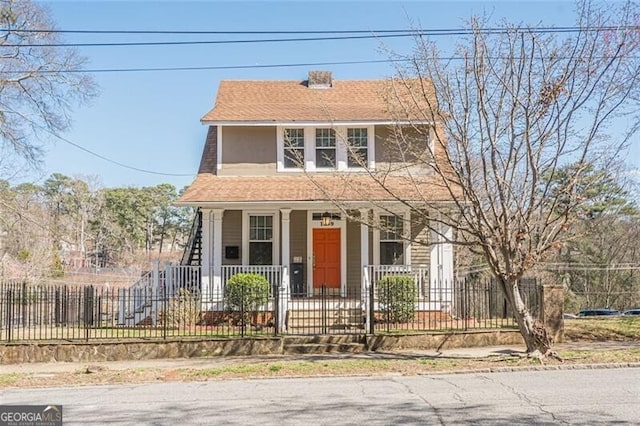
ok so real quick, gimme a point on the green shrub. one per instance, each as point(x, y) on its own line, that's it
point(397, 295)
point(246, 292)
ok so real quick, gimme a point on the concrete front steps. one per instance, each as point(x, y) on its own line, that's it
point(323, 344)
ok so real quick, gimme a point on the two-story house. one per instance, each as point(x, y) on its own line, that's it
point(288, 187)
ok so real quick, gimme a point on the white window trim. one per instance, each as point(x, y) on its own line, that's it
point(310, 148)
point(406, 231)
point(276, 234)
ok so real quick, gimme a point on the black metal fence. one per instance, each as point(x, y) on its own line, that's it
point(463, 305)
point(86, 313)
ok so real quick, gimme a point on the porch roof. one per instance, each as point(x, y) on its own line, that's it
point(348, 187)
point(292, 101)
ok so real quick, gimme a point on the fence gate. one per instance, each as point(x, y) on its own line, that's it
point(325, 313)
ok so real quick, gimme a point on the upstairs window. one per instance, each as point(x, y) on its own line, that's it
point(294, 148)
point(325, 148)
point(391, 241)
point(357, 145)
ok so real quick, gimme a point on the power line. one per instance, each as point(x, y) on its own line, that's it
point(259, 66)
point(117, 163)
point(371, 34)
point(206, 42)
point(191, 32)
point(432, 31)
point(204, 68)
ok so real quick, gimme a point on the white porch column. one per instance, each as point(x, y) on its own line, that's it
point(285, 287)
point(216, 249)
point(205, 268)
point(441, 271)
point(364, 261)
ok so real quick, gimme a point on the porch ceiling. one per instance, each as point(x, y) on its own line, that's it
point(347, 187)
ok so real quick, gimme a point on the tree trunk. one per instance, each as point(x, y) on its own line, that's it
point(532, 330)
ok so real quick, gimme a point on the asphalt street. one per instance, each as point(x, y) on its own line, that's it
point(584, 396)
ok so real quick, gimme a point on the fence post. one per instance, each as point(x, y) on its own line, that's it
point(282, 298)
point(365, 293)
point(371, 313)
point(88, 310)
point(324, 308)
point(9, 314)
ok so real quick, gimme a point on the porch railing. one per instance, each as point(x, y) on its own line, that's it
point(273, 274)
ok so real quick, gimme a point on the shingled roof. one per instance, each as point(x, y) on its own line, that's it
point(321, 187)
point(269, 102)
point(299, 101)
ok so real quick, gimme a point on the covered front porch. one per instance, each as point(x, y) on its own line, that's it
point(312, 249)
point(321, 313)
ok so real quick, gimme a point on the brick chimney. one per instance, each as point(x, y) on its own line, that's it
point(319, 79)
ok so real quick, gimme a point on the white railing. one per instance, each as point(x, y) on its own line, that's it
point(420, 275)
point(273, 274)
point(136, 300)
point(185, 278)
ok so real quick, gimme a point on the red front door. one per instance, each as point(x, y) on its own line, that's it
point(326, 257)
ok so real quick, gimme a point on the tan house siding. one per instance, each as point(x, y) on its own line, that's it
point(353, 258)
point(248, 151)
point(208, 162)
point(420, 253)
point(232, 235)
point(298, 233)
point(383, 146)
point(412, 140)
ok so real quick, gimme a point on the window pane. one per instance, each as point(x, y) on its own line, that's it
point(260, 228)
point(391, 253)
point(357, 147)
point(326, 158)
point(260, 253)
point(293, 158)
point(325, 138)
point(294, 138)
point(357, 157)
point(293, 148)
point(391, 228)
point(357, 137)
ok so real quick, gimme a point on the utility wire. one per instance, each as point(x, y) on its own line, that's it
point(201, 68)
point(206, 42)
point(432, 31)
point(257, 66)
point(102, 157)
point(372, 34)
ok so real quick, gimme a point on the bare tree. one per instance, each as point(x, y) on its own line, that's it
point(39, 83)
point(504, 115)
point(516, 107)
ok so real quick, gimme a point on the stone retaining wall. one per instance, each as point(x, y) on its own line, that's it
point(444, 340)
point(16, 353)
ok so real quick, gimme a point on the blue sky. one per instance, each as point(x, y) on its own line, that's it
point(150, 120)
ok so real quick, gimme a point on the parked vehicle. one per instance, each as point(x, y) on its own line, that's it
point(569, 316)
point(635, 311)
point(598, 312)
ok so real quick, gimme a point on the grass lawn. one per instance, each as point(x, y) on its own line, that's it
point(624, 328)
point(619, 329)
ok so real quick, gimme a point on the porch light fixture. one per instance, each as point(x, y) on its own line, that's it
point(325, 219)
